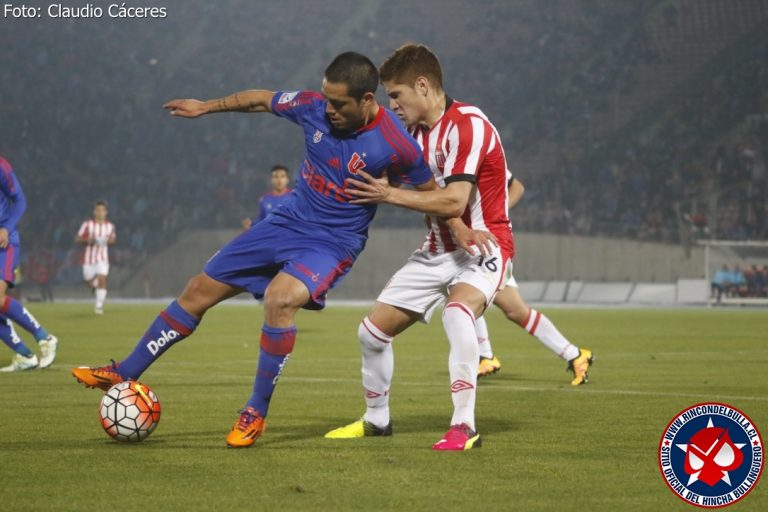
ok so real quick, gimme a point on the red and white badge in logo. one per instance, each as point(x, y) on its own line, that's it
point(711, 455)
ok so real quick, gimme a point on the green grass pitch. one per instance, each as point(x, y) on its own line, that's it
point(547, 446)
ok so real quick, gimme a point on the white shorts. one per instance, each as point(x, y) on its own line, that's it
point(511, 282)
point(91, 270)
point(423, 283)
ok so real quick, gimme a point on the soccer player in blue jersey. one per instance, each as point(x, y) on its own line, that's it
point(12, 207)
point(303, 249)
point(274, 198)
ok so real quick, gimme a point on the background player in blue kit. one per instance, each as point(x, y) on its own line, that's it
point(294, 256)
point(274, 198)
point(12, 207)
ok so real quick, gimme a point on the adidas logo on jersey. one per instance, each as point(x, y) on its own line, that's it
point(154, 346)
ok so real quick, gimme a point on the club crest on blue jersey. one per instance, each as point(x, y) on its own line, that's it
point(355, 163)
point(711, 455)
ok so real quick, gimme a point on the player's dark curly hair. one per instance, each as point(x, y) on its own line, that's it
point(409, 62)
point(356, 71)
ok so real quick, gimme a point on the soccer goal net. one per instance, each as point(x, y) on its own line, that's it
point(737, 271)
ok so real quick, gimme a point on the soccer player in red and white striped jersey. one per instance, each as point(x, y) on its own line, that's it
point(97, 234)
point(454, 265)
point(463, 145)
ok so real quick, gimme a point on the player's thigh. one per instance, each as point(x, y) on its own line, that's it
point(420, 285)
point(89, 272)
point(102, 269)
point(320, 266)
point(203, 292)
point(511, 303)
point(251, 259)
point(468, 295)
point(479, 279)
point(9, 260)
point(392, 320)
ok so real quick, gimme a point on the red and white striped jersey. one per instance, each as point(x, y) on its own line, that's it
point(101, 233)
point(464, 145)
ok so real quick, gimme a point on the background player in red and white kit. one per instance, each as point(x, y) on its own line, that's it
point(274, 198)
point(464, 152)
point(97, 234)
point(534, 322)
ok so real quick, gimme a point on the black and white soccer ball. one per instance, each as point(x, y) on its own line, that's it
point(129, 411)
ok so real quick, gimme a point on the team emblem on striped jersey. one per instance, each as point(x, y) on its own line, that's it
point(440, 159)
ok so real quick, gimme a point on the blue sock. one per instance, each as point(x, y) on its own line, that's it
point(19, 314)
point(171, 326)
point(276, 346)
point(10, 338)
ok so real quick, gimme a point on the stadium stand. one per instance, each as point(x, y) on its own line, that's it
point(645, 120)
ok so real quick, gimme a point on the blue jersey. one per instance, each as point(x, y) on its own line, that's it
point(331, 158)
point(12, 201)
point(271, 201)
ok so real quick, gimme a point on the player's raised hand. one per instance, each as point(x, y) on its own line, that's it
point(185, 108)
point(4, 236)
point(371, 190)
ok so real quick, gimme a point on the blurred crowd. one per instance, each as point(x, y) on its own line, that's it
point(573, 87)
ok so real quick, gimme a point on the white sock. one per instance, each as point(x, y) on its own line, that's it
point(463, 359)
point(483, 341)
point(542, 327)
point(377, 370)
point(101, 295)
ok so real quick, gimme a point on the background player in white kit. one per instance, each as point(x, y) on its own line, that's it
point(97, 234)
point(534, 322)
point(464, 152)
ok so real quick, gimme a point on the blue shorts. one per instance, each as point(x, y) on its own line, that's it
point(254, 257)
point(9, 260)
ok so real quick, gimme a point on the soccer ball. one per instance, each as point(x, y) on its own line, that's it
point(129, 411)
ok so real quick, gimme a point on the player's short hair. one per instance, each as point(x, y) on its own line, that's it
point(409, 62)
point(356, 71)
point(100, 202)
point(279, 167)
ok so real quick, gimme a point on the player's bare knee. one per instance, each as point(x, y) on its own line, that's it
point(281, 300)
point(196, 298)
point(195, 287)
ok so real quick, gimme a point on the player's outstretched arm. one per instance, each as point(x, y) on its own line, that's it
point(443, 202)
point(254, 100)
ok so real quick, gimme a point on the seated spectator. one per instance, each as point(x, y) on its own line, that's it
point(721, 282)
point(738, 282)
point(761, 282)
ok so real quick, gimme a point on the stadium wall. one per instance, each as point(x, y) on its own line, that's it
point(539, 258)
